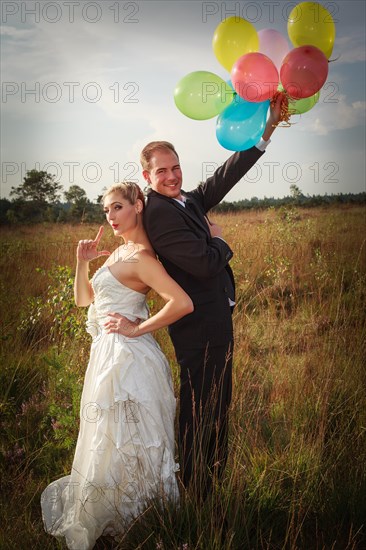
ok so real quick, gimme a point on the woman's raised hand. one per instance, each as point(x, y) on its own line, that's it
point(87, 249)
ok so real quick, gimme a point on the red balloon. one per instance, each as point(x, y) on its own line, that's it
point(304, 71)
point(255, 77)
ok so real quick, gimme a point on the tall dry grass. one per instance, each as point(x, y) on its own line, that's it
point(296, 474)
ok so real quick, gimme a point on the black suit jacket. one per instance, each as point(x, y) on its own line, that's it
point(197, 262)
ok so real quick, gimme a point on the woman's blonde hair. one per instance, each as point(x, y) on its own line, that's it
point(129, 190)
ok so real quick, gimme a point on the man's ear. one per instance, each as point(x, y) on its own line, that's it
point(146, 176)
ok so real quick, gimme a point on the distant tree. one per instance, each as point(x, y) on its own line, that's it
point(38, 186)
point(5, 206)
point(27, 211)
point(99, 198)
point(76, 195)
point(296, 192)
point(79, 208)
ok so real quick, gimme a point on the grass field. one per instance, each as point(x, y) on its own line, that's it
point(296, 477)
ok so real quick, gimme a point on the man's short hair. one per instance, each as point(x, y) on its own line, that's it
point(148, 152)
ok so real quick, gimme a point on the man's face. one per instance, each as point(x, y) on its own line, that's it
point(165, 175)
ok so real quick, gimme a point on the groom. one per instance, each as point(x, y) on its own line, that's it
point(195, 254)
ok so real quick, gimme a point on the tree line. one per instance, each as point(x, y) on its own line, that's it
point(295, 198)
point(38, 199)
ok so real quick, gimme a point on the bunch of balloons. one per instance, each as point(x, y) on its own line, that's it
point(260, 64)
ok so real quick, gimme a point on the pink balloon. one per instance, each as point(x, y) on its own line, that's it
point(274, 45)
point(254, 77)
point(304, 71)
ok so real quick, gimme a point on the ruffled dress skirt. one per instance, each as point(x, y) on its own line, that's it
point(124, 455)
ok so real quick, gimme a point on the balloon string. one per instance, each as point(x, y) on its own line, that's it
point(335, 59)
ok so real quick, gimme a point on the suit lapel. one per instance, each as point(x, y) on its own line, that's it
point(195, 213)
point(191, 210)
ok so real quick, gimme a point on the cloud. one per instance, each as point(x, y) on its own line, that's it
point(350, 49)
point(135, 68)
point(338, 115)
point(17, 34)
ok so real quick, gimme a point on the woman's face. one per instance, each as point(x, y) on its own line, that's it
point(120, 213)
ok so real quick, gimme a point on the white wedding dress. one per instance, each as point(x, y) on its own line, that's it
point(125, 449)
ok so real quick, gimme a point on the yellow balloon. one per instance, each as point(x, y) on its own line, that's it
point(309, 23)
point(233, 38)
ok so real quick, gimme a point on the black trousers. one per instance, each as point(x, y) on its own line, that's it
point(205, 395)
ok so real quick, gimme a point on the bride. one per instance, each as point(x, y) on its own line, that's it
point(125, 448)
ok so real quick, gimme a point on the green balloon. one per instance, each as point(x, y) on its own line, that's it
point(202, 95)
point(300, 106)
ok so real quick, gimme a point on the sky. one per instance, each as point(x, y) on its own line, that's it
point(85, 85)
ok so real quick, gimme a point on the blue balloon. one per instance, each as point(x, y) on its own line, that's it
point(237, 98)
point(241, 124)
